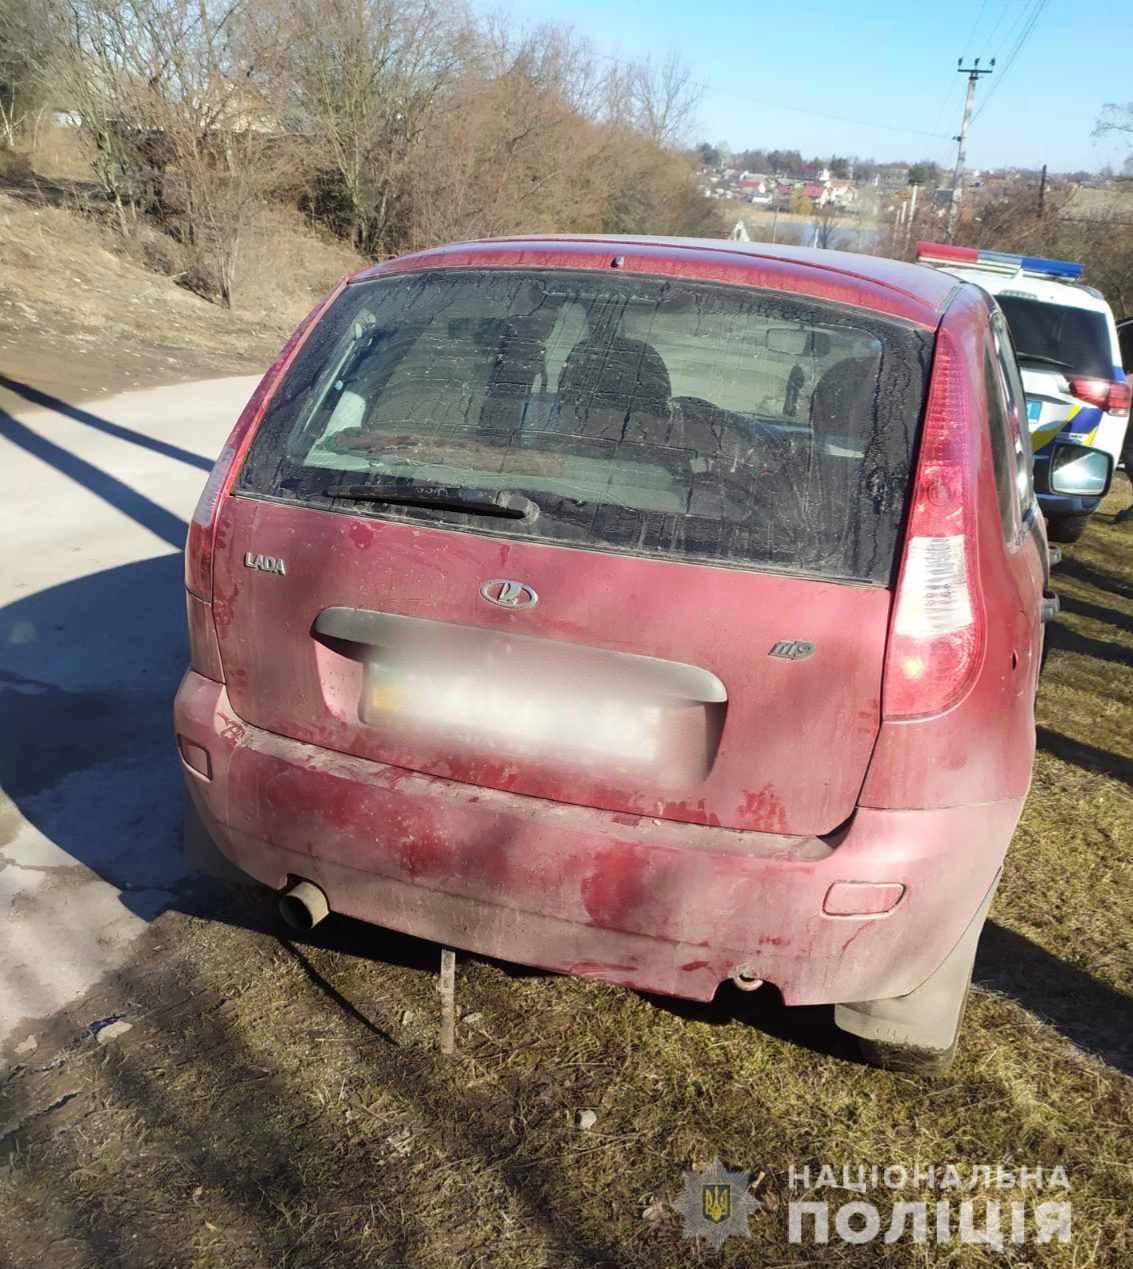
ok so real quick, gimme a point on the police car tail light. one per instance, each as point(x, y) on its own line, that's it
point(1112, 397)
point(936, 641)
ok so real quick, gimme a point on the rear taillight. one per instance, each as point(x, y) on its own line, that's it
point(204, 648)
point(1112, 397)
point(937, 638)
point(200, 544)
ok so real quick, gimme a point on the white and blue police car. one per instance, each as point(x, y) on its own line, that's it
point(1066, 343)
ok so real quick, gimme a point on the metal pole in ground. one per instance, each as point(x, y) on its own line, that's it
point(446, 985)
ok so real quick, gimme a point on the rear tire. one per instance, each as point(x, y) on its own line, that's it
point(919, 1032)
point(1066, 528)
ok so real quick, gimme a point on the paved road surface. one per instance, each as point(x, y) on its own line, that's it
point(95, 501)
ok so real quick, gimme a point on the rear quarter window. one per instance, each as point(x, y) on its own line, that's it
point(620, 412)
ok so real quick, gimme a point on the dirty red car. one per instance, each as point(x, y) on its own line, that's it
point(666, 612)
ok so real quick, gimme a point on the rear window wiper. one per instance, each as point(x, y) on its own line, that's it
point(469, 503)
point(1047, 361)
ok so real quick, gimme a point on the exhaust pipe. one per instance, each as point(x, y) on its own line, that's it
point(303, 906)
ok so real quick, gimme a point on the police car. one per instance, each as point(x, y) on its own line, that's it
point(1066, 343)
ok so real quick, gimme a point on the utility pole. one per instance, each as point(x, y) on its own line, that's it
point(973, 73)
point(1042, 193)
point(912, 217)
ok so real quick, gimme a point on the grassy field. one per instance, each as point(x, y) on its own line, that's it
point(281, 1102)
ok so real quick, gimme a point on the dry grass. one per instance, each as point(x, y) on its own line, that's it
point(102, 311)
point(56, 154)
point(282, 1103)
point(285, 266)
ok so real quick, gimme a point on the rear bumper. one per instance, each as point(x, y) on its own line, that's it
point(654, 905)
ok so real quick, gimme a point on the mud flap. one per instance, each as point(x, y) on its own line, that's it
point(929, 1016)
point(203, 855)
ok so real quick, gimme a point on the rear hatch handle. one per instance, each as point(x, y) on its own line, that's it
point(393, 633)
point(1050, 606)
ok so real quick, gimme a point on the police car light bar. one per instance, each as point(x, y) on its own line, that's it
point(999, 261)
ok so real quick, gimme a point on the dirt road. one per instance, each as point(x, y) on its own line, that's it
point(279, 1099)
point(96, 500)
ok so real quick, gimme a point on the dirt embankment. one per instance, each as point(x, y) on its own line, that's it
point(81, 316)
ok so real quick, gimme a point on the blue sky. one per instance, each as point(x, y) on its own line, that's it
point(773, 72)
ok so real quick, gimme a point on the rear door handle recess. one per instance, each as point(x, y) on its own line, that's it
point(1049, 608)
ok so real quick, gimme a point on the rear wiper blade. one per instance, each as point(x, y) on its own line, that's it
point(1048, 361)
point(438, 500)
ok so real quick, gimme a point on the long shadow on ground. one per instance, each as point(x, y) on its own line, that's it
point(88, 671)
point(79, 415)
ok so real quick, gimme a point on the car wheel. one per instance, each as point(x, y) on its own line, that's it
point(919, 1032)
point(1066, 528)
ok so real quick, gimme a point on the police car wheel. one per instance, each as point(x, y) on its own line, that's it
point(1066, 528)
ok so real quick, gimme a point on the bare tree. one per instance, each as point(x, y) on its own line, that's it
point(512, 145)
point(660, 99)
point(826, 231)
point(407, 122)
point(539, 133)
point(180, 118)
point(1115, 117)
point(366, 74)
point(24, 40)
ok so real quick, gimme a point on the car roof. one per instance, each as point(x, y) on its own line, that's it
point(914, 293)
point(1046, 290)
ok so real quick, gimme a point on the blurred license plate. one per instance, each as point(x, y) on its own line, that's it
point(513, 716)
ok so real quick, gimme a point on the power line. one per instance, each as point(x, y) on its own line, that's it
point(1020, 43)
point(970, 42)
point(947, 100)
point(859, 123)
point(1017, 23)
point(999, 21)
point(1029, 24)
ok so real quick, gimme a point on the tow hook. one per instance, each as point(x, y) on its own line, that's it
point(745, 980)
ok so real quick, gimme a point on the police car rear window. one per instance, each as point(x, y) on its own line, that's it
point(1055, 336)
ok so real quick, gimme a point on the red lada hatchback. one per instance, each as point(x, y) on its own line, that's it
point(666, 612)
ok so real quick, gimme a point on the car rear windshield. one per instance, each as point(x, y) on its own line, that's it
point(606, 411)
point(1071, 340)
